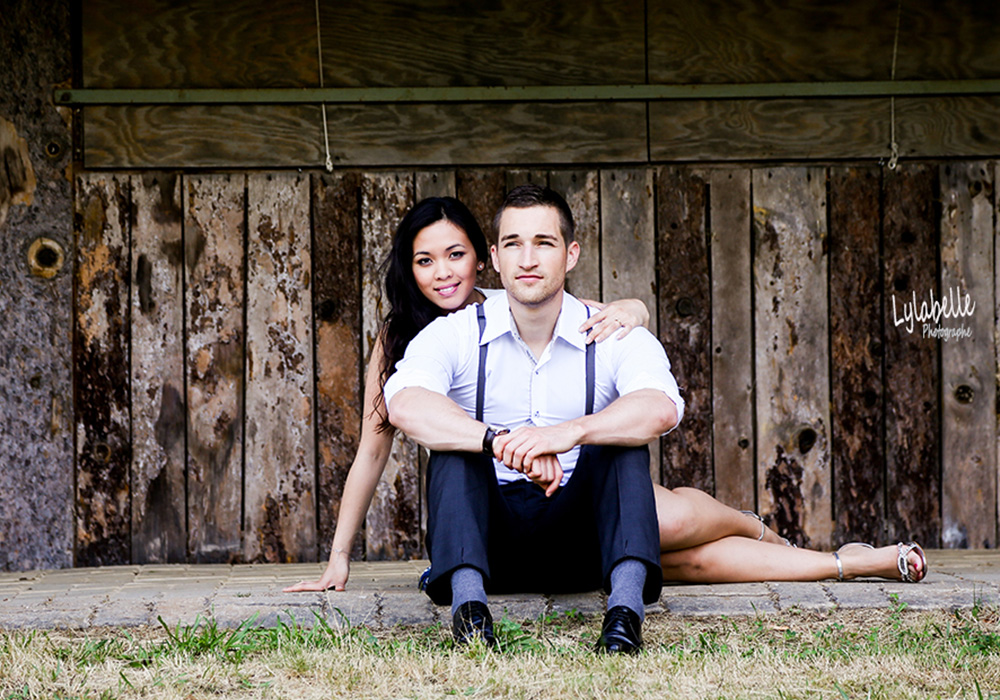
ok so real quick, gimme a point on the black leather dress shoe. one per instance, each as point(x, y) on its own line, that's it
point(621, 632)
point(471, 620)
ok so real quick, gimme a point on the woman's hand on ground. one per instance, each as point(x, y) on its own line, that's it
point(335, 576)
point(618, 316)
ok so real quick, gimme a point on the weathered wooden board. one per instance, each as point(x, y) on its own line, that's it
point(483, 192)
point(911, 374)
point(558, 43)
point(36, 346)
point(820, 128)
point(628, 251)
point(214, 240)
point(425, 135)
point(436, 183)
point(101, 361)
point(392, 528)
point(337, 313)
point(733, 437)
point(968, 360)
point(159, 522)
point(792, 353)
point(685, 316)
point(524, 176)
point(857, 448)
point(581, 189)
point(198, 44)
point(280, 459)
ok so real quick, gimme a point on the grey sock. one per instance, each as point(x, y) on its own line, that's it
point(627, 581)
point(466, 585)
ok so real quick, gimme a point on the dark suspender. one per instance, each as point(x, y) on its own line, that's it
point(481, 381)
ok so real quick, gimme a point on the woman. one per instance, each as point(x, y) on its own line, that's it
point(430, 271)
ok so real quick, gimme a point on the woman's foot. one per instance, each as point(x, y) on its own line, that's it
point(900, 562)
point(762, 533)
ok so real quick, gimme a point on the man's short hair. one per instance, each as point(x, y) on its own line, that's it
point(532, 195)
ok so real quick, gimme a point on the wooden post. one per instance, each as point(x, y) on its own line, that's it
point(856, 354)
point(339, 371)
point(214, 273)
point(733, 438)
point(628, 250)
point(159, 521)
point(968, 361)
point(393, 526)
point(911, 380)
point(280, 469)
point(101, 360)
point(581, 190)
point(792, 353)
point(685, 315)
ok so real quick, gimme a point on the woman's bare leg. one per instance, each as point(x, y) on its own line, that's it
point(689, 517)
point(742, 560)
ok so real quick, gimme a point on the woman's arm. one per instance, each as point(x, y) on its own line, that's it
point(362, 479)
point(623, 314)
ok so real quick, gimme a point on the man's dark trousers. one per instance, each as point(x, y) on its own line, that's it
point(524, 542)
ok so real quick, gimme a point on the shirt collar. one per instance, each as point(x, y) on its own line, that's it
point(499, 320)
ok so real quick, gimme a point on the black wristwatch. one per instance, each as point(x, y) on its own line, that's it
point(491, 432)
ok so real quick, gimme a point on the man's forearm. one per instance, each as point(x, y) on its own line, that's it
point(631, 420)
point(435, 421)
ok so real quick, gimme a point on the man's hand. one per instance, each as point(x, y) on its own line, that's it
point(532, 451)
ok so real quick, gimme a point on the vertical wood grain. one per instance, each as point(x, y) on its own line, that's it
point(280, 466)
point(968, 364)
point(628, 251)
point(392, 529)
point(159, 520)
point(792, 353)
point(214, 240)
point(436, 183)
point(685, 317)
point(857, 450)
point(581, 190)
point(733, 438)
point(523, 176)
point(101, 361)
point(482, 191)
point(339, 372)
point(911, 374)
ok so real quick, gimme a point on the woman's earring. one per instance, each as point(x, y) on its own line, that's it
point(482, 266)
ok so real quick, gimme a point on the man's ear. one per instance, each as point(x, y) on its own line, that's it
point(493, 257)
point(572, 255)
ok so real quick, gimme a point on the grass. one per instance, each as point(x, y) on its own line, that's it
point(869, 654)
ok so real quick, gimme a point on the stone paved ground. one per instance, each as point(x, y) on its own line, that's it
point(385, 594)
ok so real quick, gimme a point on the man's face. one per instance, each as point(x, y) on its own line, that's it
point(531, 255)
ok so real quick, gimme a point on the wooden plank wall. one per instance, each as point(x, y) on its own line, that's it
point(223, 323)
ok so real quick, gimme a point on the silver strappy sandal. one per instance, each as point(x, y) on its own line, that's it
point(907, 574)
point(836, 555)
point(763, 527)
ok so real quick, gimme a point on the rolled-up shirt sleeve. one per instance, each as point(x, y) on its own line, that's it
point(429, 362)
point(640, 362)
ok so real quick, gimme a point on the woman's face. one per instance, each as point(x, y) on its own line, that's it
point(444, 265)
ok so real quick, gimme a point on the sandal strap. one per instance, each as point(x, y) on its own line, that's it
point(840, 566)
point(903, 560)
point(763, 527)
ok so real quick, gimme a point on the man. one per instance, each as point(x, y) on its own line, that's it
point(539, 477)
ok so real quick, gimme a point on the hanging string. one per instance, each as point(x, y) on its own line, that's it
point(893, 146)
point(326, 132)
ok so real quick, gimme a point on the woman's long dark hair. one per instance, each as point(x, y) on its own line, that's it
point(409, 309)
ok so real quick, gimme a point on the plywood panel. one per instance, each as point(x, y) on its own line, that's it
point(792, 353)
point(198, 43)
point(393, 525)
point(159, 522)
point(735, 130)
point(483, 192)
point(685, 319)
point(280, 466)
point(856, 354)
point(912, 373)
point(733, 438)
point(581, 189)
point(337, 313)
point(214, 240)
point(628, 250)
point(968, 357)
point(101, 362)
point(363, 135)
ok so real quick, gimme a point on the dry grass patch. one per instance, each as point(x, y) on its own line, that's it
point(867, 654)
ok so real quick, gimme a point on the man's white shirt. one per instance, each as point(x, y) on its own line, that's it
point(521, 389)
